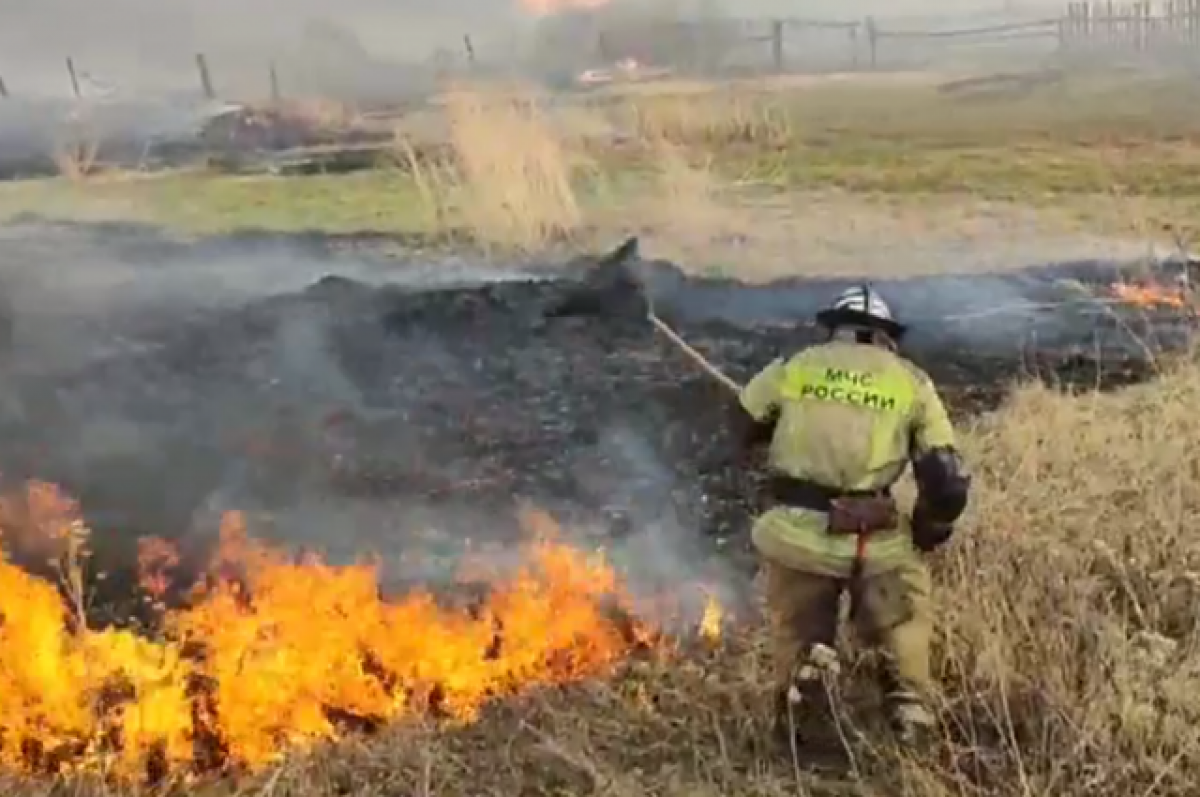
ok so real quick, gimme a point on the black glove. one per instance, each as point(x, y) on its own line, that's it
point(929, 534)
point(749, 435)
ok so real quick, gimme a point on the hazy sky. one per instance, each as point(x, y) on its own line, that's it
point(132, 40)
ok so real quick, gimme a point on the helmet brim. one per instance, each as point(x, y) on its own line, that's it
point(843, 317)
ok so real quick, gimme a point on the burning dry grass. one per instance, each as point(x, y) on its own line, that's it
point(1067, 651)
point(271, 653)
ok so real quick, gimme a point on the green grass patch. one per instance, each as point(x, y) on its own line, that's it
point(1083, 140)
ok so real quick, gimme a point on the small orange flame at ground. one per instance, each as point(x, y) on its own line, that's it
point(274, 654)
point(710, 621)
point(1149, 295)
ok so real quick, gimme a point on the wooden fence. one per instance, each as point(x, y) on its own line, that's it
point(1085, 26)
point(869, 42)
point(1139, 26)
point(782, 44)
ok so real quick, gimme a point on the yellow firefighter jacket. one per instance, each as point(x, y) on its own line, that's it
point(851, 416)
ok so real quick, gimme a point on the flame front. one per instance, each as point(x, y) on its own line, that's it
point(710, 621)
point(1149, 295)
point(274, 654)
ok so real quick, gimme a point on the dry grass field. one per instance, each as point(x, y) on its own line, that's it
point(1068, 607)
point(708, 177)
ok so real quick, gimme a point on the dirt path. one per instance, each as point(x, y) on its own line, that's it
point(828, 233)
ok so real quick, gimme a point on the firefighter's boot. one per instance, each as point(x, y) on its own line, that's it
point(912, 723)
point(804, 707)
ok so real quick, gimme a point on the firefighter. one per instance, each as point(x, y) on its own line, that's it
point(843, 420)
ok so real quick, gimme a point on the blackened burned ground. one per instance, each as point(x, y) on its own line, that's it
point(440, 404)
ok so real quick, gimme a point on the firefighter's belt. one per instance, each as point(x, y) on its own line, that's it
point(850, 511)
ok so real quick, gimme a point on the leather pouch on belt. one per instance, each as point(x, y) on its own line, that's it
point(863, 515)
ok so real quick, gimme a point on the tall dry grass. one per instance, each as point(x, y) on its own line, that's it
point(710, 122)
point(512, 174)
point(507, 179)
point(75, 156)
point(1070, 606)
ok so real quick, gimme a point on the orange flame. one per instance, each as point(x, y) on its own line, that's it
point(1149, 295)
point(545, 7)
point(274, 653)
point(710, 621)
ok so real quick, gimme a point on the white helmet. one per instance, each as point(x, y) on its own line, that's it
point(861, 306)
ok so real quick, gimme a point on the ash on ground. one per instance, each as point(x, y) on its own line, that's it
point(408, 420)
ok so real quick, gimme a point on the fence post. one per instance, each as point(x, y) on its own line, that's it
point(777, 44)
point(3, 89)
point(74, 77)
point(205, 76)
point(872, 42)
point(470, 48)
point(276, 94)
point(853, 31)
point(1144, 23)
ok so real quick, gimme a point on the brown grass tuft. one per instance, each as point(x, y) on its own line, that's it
point(513, 174)
point(506, 176)
point(75, 156)
point(712, 122)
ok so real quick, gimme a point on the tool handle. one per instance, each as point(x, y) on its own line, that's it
point(696, 356)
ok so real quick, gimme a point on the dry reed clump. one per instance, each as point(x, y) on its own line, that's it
point(75, 153)
point(507, 178)
point(1068, 651)
point(514, 175)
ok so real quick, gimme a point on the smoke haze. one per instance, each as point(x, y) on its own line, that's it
point(150, 45)
point(144, 44)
